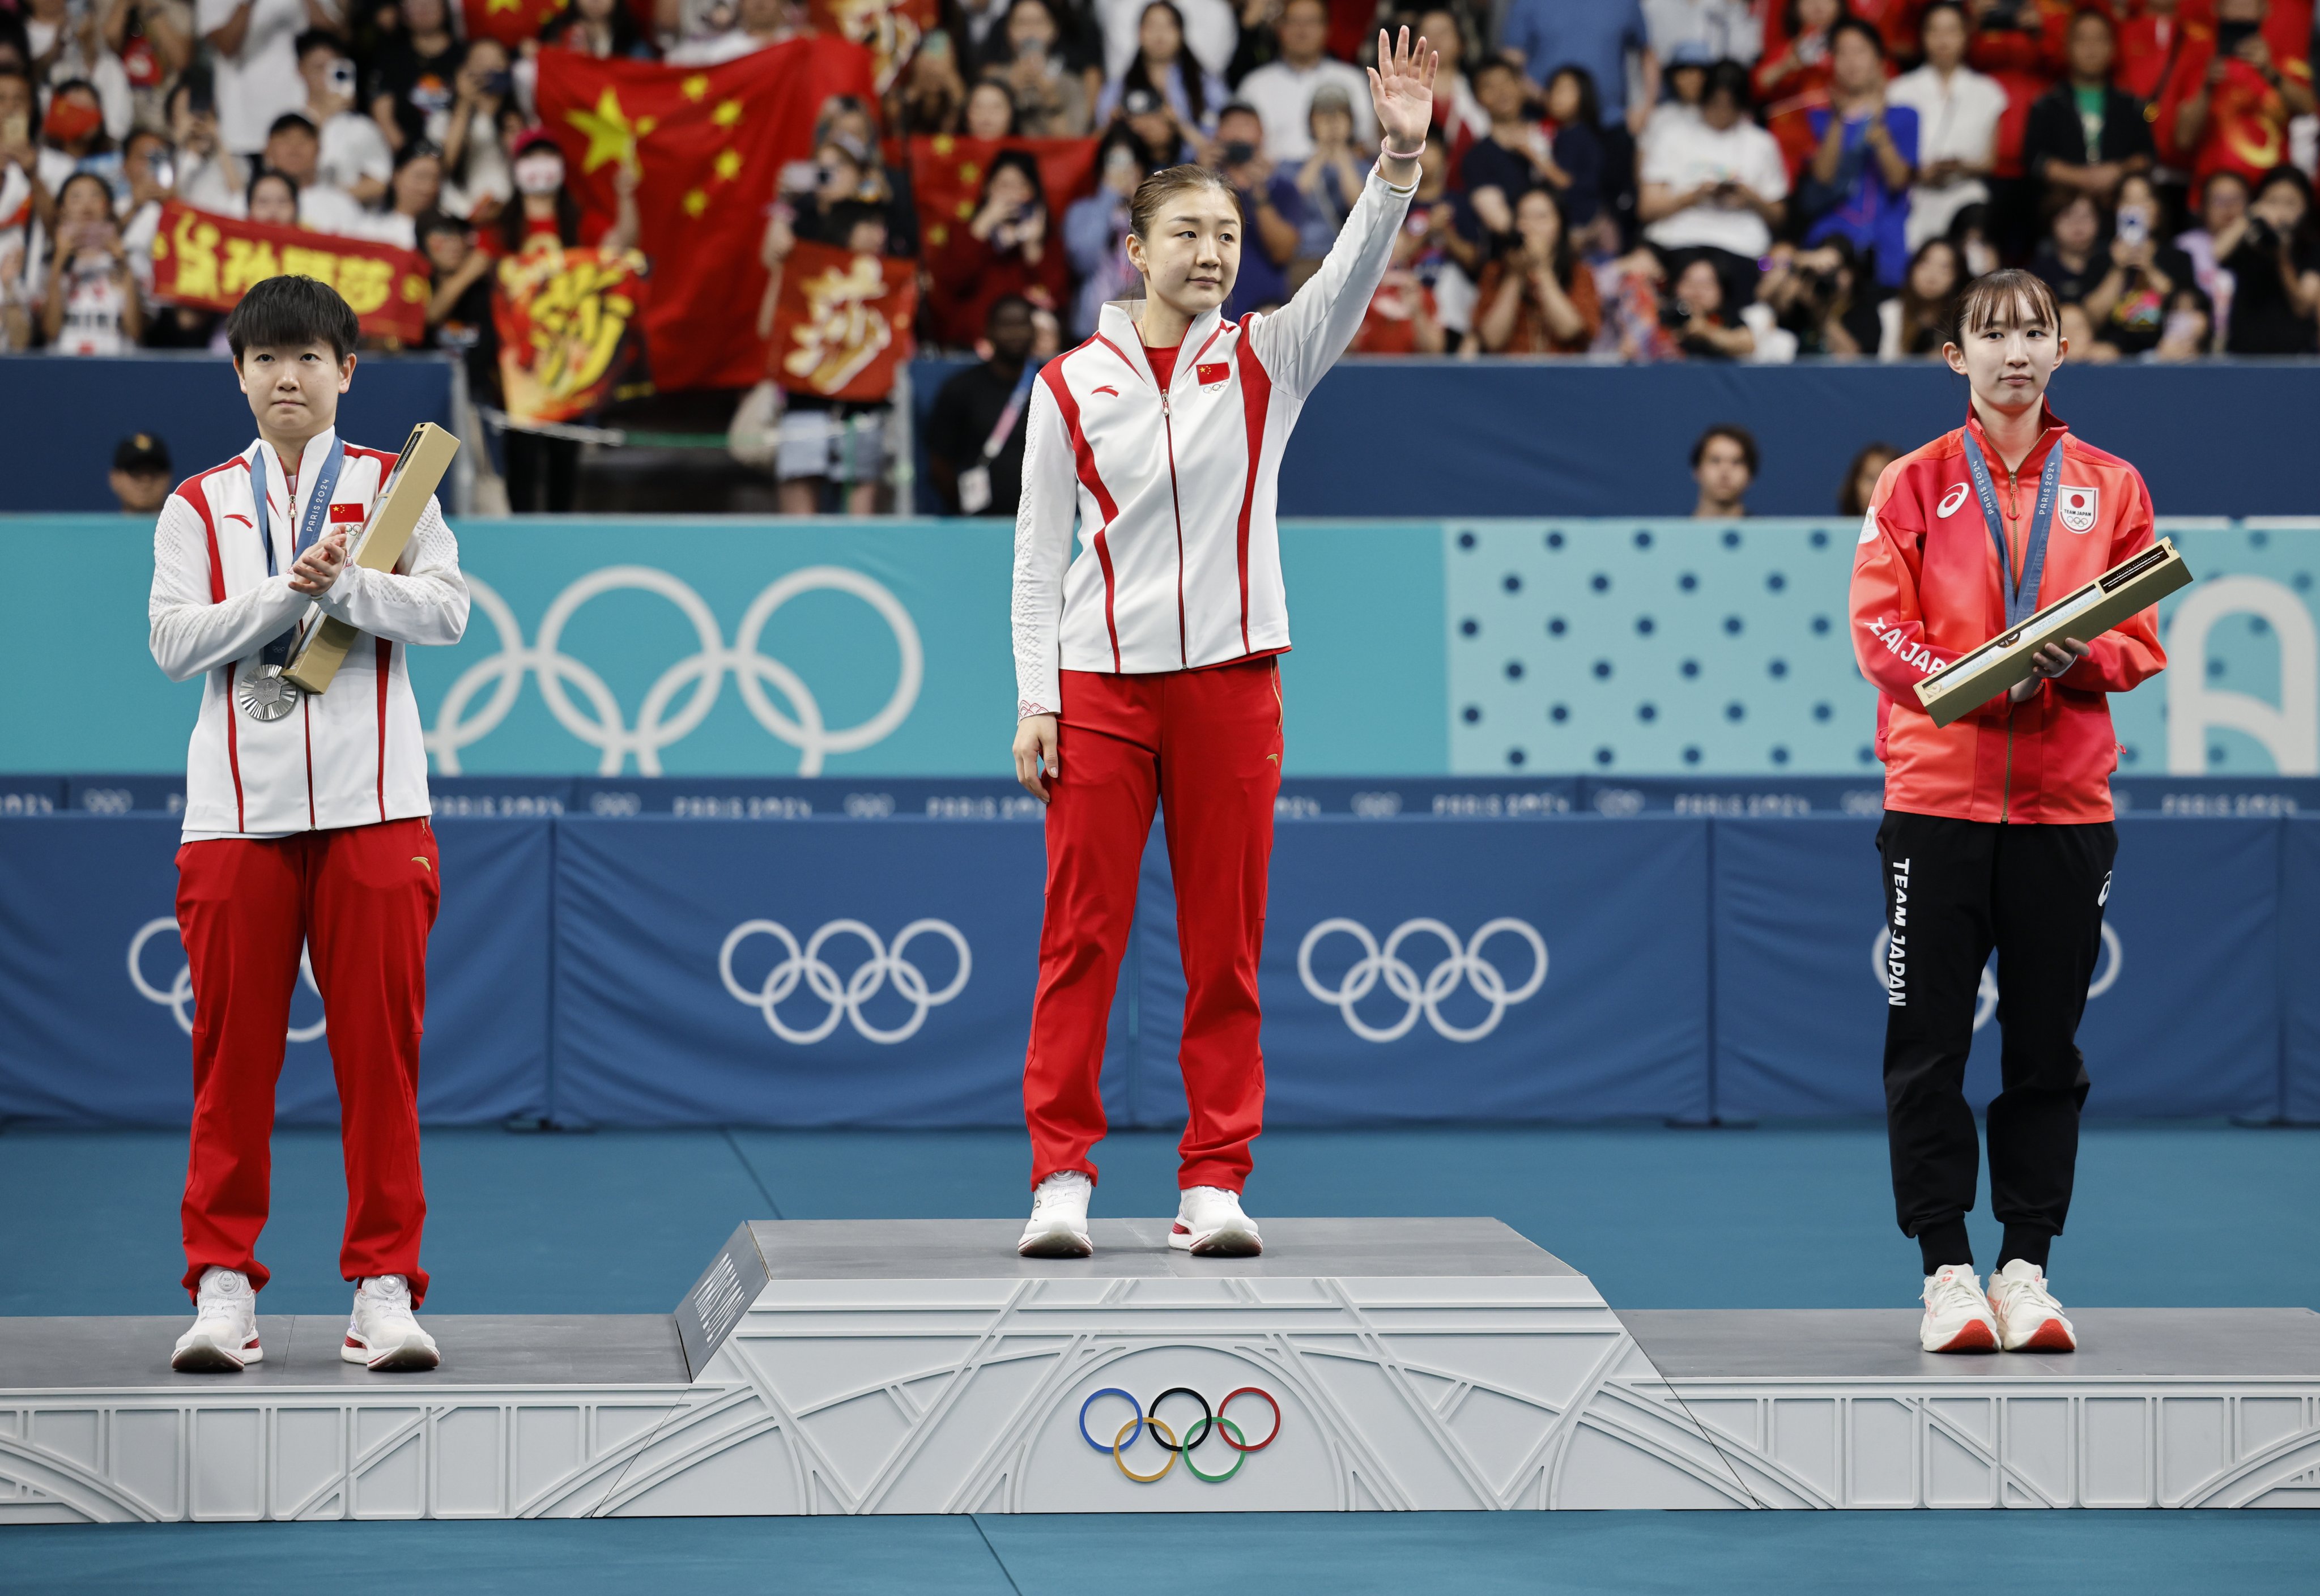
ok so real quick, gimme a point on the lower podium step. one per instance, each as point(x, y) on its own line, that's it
point(922, 1368)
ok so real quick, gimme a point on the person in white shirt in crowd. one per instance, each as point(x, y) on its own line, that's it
point(477, 181)
point(415, 190)
point(89, 305)
point(757, 25)
point(1957, 111)
point(1162, 64)
point(253, 45)
point(155, 41)
point(2223, 214)
point(306, 826)
point(1334, 173)
point(294, 150)
point(273, 199)
point(1282, 92)
point(1095, 229)
point(26, 194)
point(1715, 186)
point(1684, 80)
point(209, 175)
point(1210, 30)
point(68, 47)
point(146, 165)
point(354, 156)
point(73, 137)
point(1711, 30)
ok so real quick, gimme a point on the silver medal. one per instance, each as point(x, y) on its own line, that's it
point(265, 695)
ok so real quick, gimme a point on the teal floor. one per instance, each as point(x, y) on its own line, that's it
point(623, 1223)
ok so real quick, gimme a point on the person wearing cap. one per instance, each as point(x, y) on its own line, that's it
point(141, 474)
point(1282, 92)
point(1154, 122)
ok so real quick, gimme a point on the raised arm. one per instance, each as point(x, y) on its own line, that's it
point(1301, 341)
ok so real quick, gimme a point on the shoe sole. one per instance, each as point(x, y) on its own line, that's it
point(2049, 1337)
point(1974, 1335)
point(1055, 1244)
point(207, 1357)
point(400, 1360)
point(1226, 1243)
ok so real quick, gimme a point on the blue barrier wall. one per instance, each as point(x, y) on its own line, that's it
point(701, 647)
point(61, 416)
point(1499, 437)
point(656, 971)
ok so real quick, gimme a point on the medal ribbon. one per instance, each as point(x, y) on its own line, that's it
point(310, 527)
point(2021, 593)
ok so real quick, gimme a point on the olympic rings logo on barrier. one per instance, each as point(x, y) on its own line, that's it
point(1984, 997)
point(1464, 963)
point(1210, 1423)
point(178, 997)
point(605, 726)
point(847, 996)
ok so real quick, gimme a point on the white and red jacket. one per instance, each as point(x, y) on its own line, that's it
point(1173, 494)
point(351, 757)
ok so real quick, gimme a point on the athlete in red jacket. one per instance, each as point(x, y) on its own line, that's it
point(1997, 828)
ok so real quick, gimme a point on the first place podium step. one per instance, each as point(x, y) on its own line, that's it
point(923, 1367)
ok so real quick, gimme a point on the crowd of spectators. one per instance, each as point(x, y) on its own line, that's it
point(1627, 179)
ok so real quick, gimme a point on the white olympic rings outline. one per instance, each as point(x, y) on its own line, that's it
point(844, 997)
point(179, 997)
point(704, 673)
point(1464, 963)
point(1985, 996)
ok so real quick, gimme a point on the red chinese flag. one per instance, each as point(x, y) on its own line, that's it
point(512, 21)
point(842, 322)
point(890, 29)
point(947, 178)
point(710, 142)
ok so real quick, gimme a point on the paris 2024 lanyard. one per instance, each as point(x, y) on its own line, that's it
point(2021, 592)
point(265, 694)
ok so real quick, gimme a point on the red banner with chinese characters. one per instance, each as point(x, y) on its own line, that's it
point(842, 322)
point(512, 21)
point(203, 259)
point(709, 142)
point(889, 29)
point(947, 178)
point(569, 325)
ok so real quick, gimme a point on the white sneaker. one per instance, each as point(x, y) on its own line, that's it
point(2029, 1319)
point(1058, 1227)
point(1209, 1224)
point(382, 1335)
point(224, 1337)
point(1957, 1315)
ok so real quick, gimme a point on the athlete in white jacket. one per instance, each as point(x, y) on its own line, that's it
point(1147, 656)
point(306, 826)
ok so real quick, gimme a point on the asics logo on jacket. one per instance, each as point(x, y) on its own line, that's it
point(1169, 495)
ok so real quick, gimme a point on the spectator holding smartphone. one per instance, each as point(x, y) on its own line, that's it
point(1958, 113)
point(154, 42)
point(1715, 185)
point(999, 252)
point(2223, 207)
point(2086, 133)
point(2226, 105)
point(1515, 153)
point(1537, 296)
point(1334, 168)
point(2130, 306)
point(1054, 96)
point(353, 156)
point(90, 305)
point(1095, 229)
point(1856, 186)
point(2274, 259)
point(1270, 205)
point(253, 53)
point(414, 73)
point(1162, 66)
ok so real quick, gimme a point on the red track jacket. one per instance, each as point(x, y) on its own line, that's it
point(1927, 588)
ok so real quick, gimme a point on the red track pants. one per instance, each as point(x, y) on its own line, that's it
point(1206, 745)
point(361, 899)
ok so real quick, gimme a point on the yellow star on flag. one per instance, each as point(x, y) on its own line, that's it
point(611, 135)
point(729, 164)
point(969, 173)
point(726, 113)
point(695, 202)
point(966, 210)
point(696, 87)
point(498, 5)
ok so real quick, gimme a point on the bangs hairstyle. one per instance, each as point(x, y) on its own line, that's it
point(1999, 297)
point(289, 314)
point(1162, 186)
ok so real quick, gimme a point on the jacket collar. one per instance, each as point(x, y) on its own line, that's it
point(1115, 325)
point(267, 476)
point(2051, 430)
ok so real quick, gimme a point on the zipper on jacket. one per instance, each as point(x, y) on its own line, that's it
point(2006, 578)
point(1168, 428)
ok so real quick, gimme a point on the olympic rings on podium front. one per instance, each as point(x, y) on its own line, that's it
point(1211, 1421)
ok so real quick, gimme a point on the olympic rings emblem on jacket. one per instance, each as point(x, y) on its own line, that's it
point(605, 726)
point(845, 996)
point(1464, 963)
point(1209, 1423)
point(179, 997)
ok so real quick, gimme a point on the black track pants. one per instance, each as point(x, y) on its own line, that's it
point(1953, 891)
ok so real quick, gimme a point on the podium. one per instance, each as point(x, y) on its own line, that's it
point(877, 1366)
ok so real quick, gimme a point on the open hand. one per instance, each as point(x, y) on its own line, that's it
point(1037, 756)
point(1402, 89)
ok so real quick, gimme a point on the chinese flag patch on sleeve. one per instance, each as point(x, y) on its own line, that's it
point(1214, 371)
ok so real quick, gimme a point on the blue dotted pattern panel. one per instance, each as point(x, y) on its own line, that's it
point(1682, 647)
point(1654, 648)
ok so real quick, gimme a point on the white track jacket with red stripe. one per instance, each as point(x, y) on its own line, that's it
point(351, 757)
point(1172, 494)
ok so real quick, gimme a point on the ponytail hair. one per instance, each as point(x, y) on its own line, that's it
point(1157, 188)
